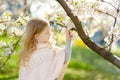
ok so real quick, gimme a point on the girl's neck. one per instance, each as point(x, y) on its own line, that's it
point(43, 44)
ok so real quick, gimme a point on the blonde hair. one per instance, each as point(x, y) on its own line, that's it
point(34, 26)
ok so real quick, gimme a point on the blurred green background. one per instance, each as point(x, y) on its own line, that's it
point(84, 65)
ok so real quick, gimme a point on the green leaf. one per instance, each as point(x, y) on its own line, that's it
point(59, 18)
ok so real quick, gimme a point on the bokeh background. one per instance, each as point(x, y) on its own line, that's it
point(85, 64)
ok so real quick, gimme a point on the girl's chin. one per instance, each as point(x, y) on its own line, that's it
point(43, 42)
point(46, 41)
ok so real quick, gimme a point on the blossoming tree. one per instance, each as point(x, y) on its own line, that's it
point(82, 16)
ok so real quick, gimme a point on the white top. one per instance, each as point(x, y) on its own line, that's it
point(45, 63)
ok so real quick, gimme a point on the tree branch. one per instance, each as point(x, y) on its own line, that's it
point(3, 64)
point(115, 21)
point(60, 24)
point(109, 4)
point(4, 21)
point(100, 51)
point(105, 13)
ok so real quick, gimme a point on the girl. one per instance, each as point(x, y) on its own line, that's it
point(39, 60)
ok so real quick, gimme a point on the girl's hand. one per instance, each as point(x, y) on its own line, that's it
point(69, 34)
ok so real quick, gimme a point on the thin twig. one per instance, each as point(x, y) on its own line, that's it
point(115, 21)
point(61, 24)
point(109, 4)
point(104, 13)
point(3, 21)
point(112, 36)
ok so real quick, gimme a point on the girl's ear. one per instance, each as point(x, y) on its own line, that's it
point(35, 36)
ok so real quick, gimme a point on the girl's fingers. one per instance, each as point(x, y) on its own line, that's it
point(69, 33)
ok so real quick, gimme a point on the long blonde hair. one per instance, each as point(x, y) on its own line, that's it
point(34, 26)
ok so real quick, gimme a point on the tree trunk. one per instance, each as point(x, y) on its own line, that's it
point(99, 50)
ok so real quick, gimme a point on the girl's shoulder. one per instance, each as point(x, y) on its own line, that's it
point(58, 49)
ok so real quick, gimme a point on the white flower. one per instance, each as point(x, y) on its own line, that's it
point(2, 44)
point(6, 52)
point(52, 40)
point(107, 40)
point(114, 34)
point(2, 27)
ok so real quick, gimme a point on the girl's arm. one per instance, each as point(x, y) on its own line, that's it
point(68, 46)
point(67, 54)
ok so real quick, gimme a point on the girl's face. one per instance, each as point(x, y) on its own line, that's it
point(44, 36)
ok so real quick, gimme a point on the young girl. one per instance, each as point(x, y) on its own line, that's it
point(39, 60)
